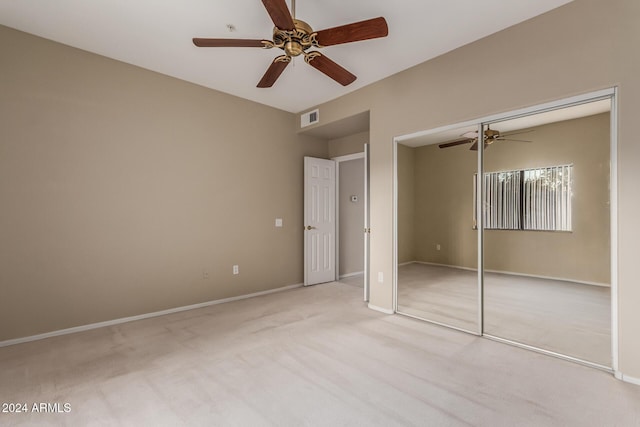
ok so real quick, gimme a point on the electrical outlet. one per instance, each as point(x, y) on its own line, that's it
point(380, 277)
point(278, 222)
point(205, 275)
point(438, 247)
point(236, 269)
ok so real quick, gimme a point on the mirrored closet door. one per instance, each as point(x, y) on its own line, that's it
point(547, 231)
point(437, 277)
point(542, 213)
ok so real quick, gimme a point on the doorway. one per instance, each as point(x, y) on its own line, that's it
point(523, 255)
point(353, 219)
point(336, 220)
point(347, 139)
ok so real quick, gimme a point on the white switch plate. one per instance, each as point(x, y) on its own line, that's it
point(278, 222)
point(380, 277)
point(236, 269)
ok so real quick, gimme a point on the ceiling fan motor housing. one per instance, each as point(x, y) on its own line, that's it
point(491, 134)
point(296, 41)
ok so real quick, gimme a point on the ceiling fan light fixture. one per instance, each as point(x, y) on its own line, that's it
point(293, 48)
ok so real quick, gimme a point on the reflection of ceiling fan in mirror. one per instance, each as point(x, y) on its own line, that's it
point(296, 37)
point(490, 136)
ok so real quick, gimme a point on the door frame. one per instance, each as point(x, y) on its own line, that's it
point(339, 159)
point(608, 93)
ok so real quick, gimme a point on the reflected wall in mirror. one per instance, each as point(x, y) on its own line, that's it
point(437, 245)
point(547, 233)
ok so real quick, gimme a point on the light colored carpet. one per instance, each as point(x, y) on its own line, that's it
point(565, 317)
point(444, 295)
point(305, 357)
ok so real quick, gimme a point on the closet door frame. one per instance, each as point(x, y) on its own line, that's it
point(611, 94)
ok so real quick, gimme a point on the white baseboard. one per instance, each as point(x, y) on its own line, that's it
point(380, 309)
point(141, 316)
point(535, 276)
point(628, 379)
point(459, 267)
point(561, 279)
point(407, 263)
point(357, 273)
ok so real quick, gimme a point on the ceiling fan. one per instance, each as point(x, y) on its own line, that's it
point(296, 37)
point(490, 136)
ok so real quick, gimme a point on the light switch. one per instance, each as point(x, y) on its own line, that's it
point(278, 222)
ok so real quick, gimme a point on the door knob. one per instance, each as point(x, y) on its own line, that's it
point(309, 227)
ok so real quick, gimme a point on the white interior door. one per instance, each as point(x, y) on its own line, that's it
point(319, 221)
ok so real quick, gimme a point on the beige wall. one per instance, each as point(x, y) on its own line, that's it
point(584, 254)
point(348, 145)
point(121, 188)
point(351, 219)
point(443, 207)
point(581, 47)
point(406, 204)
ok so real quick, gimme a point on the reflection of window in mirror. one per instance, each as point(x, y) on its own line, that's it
point(527, 199)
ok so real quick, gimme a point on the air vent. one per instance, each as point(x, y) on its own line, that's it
point(309, 118)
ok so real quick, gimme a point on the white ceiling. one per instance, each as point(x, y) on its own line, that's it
point(156, 35)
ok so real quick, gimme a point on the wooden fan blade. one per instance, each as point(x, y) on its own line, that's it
point(273, 72)
point(330, 68)
point(227, 43)
point(516, 133)
point(363, 30)
point(454, 143)
point(515, 140)
point(474, 147)
point(279, 13)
